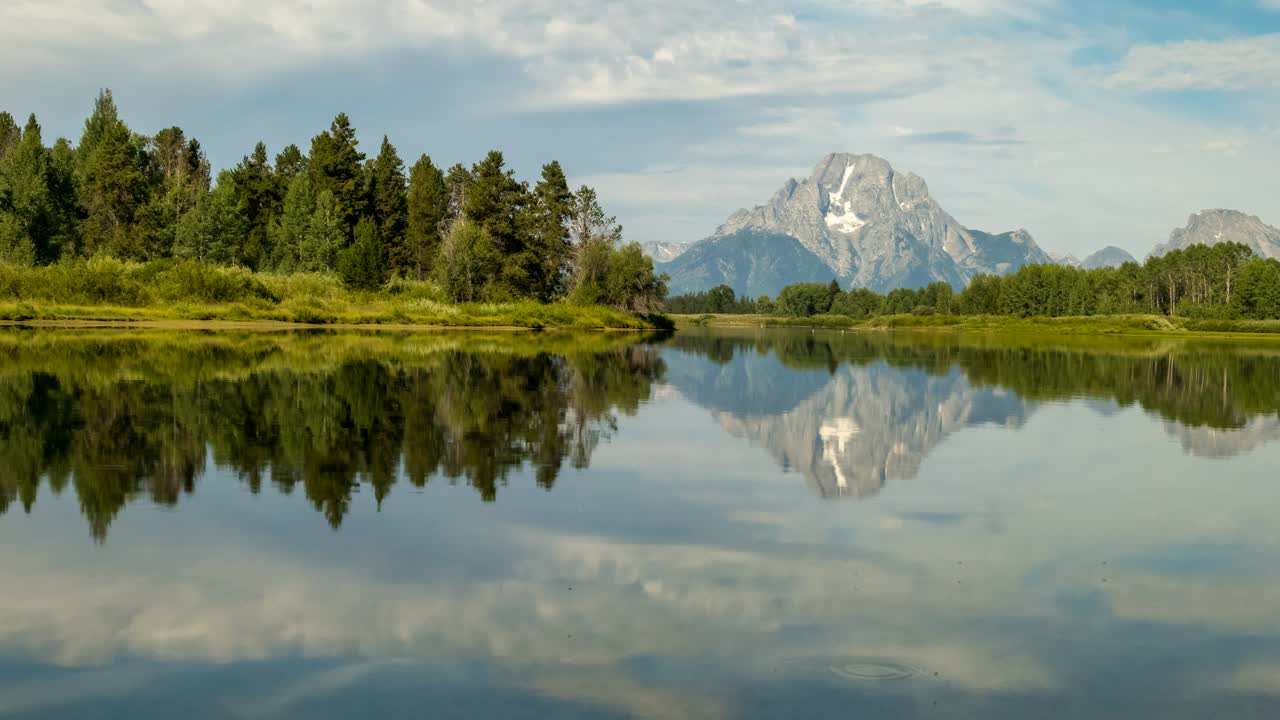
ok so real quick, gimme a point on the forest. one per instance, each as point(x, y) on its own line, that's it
point(1219, 282)
point(464, 234)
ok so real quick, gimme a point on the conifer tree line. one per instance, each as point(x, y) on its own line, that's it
point(1223, 281)
point(477, 232)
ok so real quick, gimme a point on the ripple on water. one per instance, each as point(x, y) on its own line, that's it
point(871, 670)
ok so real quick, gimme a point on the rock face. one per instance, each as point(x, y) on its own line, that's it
point(664, 251)
point(752, 262)
point(1065, 259)
point(1110, 256)
point(1210, 227)
point(871, 226)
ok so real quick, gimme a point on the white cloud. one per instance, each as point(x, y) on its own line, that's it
point(1245, 63)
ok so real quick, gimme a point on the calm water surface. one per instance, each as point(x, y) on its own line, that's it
point(713, 524)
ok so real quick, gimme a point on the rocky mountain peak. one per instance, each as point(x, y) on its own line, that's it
point(1210, 227)
point(868, 224)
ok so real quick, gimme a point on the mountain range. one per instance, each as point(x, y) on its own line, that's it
point(1210, 227)
point(856, 219)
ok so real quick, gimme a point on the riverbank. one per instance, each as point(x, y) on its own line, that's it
point(103, 290)
point(1092, 325)
point(370, 313)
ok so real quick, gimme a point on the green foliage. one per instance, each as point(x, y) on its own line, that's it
point(427, 205)
point(361, 266)
point(467, 262)
point(335, 168)
point(324, 237)
point(804, 299)
point(719, 300)
point(289, 231)
point(211, 231)
point(389, 210)
point(149, 198)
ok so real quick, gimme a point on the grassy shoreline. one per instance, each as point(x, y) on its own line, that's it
point(423, 315)
point(103, 290)
point(1090, 325)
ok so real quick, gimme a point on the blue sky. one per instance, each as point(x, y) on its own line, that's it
point(1089, 123)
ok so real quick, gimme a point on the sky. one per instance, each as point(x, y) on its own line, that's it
point(1087, 122)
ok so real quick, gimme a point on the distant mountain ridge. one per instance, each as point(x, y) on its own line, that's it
point(664, 251)
point(865, 223)
point(1210, 227)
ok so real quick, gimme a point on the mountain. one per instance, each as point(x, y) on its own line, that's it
point(867, 224)
point(752, 262)
point(1210, 227)
point(664, 251)
point(1065, 259)
point(1110, 256)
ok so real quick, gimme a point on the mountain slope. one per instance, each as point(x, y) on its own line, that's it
point(1210, 227)
point(871, 226)
point(664, 251)
point(751, 262)
point(1110, 256)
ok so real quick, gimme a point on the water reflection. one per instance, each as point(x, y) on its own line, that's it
point(851, 411)
point(1080, 566)
point(120, 417)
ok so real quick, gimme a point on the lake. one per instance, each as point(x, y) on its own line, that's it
point(718, 523)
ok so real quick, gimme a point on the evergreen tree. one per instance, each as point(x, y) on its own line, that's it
point(10, 133)
point(25, 206)
point(428, 204)
point(289, 231)
point(336, 167)
point(360, 265)
point(325, 236)
point(211, 231)
point(290, 162)
point(65, 230)
point(112, 183)
point(495, 201)
point(255, 189)
point(548, 247)
point(388, 206)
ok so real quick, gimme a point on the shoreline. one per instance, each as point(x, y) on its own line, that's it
point(1101, 325)
point(513, 317)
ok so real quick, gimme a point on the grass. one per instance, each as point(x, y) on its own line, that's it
point(103, 289)
point(1092, 325)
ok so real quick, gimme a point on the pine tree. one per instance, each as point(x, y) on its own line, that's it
point(65, 231)
point(211, 231)
point(361, 265)
point(10, 133)
point(289, 231)
point(428, 204)
point(290, 162)
point(325, 236)
point(495, 201)
point(548, 245)
point(112, 183)
point(255, 188)
point(388, 206)
point(25, 208)
point(336, 167)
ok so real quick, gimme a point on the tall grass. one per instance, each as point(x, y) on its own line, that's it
point(109, 289)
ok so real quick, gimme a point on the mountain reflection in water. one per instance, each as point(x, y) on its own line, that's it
point(122, 416)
